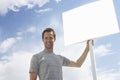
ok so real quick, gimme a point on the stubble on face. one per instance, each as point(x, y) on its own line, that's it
point(48, 40)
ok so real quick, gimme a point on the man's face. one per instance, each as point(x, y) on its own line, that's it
point(48, 40)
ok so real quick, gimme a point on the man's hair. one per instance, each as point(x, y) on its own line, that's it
point(48, 30)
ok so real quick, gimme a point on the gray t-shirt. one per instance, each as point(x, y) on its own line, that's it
point(48, 66)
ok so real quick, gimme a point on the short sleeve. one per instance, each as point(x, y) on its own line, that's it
point(65, 61)
point(34, 64)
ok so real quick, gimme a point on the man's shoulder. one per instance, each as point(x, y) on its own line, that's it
point(38, 55)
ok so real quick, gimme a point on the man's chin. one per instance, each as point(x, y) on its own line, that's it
point(49, 47)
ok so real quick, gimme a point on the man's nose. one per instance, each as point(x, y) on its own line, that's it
point(48, 39)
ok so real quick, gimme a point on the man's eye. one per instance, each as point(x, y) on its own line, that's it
point(46, 38)
point(51, 38)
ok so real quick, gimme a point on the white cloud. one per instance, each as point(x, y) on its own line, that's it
point(57, 1)
point(18, 38)
point(9, 42)
point(1, 31)
point(15, 5)
point(109, 75)
point(40, 3)
point(31, 29)
point(103, 50)
point(28, 30)
point(16, 67)
point(54, 22)
point(4, 7)
point(118, 63)
point(19, 33)
point(6, 44)
point(43, 10)
point(56, 25)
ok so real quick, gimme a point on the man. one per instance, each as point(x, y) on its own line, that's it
point(47, 65)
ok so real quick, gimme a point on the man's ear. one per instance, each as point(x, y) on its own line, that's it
point(54, 39)
point(42, 39)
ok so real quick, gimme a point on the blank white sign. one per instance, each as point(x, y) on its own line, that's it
point(93, 20)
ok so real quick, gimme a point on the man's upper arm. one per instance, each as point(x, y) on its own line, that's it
point(34, 64)
point(33, 68)
point(33, 75)
point(74, 64)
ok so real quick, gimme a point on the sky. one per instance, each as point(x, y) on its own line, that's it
point(21, 25)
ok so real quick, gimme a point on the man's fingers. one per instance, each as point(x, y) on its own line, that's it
point(89, 41)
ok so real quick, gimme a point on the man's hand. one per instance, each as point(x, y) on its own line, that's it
point(88, 41)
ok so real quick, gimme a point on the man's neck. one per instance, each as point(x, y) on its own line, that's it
point(48, 50)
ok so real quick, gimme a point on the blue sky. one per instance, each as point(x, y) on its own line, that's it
point(21, 25)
